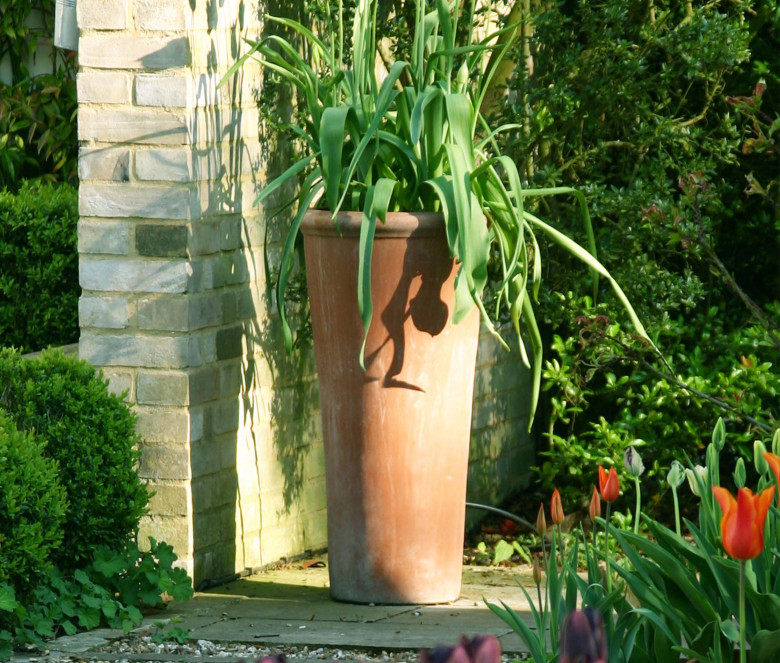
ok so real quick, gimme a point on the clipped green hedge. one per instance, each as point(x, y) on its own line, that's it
point(39, 278)
point(32, 507)
point(91, 434)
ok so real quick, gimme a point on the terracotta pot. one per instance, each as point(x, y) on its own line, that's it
point(397, 435)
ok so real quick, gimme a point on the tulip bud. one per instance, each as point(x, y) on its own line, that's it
point(537, 570)
point(740, 474)
point(633, 461)
point(762, 467)
point(594, 510)
point(695, 475)
point(541, 521)
point(676, 474)
point(719, 435)
point(776, 443)
point(582, 638)
point(556, 508)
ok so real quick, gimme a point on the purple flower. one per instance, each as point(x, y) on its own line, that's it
point(582, 638)
point(480, 649)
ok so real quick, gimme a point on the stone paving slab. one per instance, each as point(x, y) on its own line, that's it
point(291, 606)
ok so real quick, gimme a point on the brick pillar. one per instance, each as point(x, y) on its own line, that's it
point(174, 305)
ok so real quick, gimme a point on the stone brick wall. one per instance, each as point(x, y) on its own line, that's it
point(175, 304)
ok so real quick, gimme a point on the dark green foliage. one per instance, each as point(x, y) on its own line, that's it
point(653, 109)
point(141, 577)
point(110, 592)
point(91, 434)
point(39, 280)
point(32, 507)
point(38, 137)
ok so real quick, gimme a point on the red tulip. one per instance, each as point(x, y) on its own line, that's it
point(742, 524)
point(609, 486)
point(595, 505)
point(774, 463)
point(556, 508)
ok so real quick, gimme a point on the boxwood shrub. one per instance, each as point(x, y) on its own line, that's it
point(39, 279)
point(32, 507)
point(91, 434)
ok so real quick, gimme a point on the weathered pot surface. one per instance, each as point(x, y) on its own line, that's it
point(397, 435)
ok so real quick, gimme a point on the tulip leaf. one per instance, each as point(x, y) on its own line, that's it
point(765, 647)
point(531, 638)
point(729, 628)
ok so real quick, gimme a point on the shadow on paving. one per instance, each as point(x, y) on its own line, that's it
point(292, 606)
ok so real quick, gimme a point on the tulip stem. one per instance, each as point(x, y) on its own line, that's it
point(560, 543)
point(606, 548)
point(676, 510)
point(638, 505)
point(742, 653)
point(546, 564)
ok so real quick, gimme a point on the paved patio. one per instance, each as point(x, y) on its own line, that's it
point(292, 606)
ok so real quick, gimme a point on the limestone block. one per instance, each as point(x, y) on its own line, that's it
point(147, 201)
point(170, 499)
point(129, 275)
point(120, 382)
point(165, 462)
point(161, 240)
point(164, 164)
point(161, 90)
point(204, 385)
point(162, 388)
point(133, 51)
point(174, 530)
point(103, 87)
point(162, 14)
point(101, 14)
point(104, 163)
point(139, 125)
point(230, 343)
point(169, 426)
point(104, 312)
point(205, 311)
point(163, 313)
point(103, 236)
point(134, 350)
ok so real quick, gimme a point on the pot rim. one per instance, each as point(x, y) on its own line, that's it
point(398, 224)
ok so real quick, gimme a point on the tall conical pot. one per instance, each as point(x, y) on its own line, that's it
point(396, 435)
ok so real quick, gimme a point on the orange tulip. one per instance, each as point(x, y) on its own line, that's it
point(774, 463)
point(609, 486)
point(742, 524)
point(556, 508)
point(595, 505)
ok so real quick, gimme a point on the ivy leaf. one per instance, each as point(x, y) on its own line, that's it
point(7, 599)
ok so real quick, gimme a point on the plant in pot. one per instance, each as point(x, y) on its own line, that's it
point(404, 192)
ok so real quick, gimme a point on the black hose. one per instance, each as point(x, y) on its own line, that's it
point(501, 512)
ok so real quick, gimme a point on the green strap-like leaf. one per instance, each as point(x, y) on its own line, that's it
point(332, 137)
point(578, 252)
point(428, 95)
point(377, 202)
point(459, 123)
point(287, 261)
point(384, 100)
point(290, 174)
